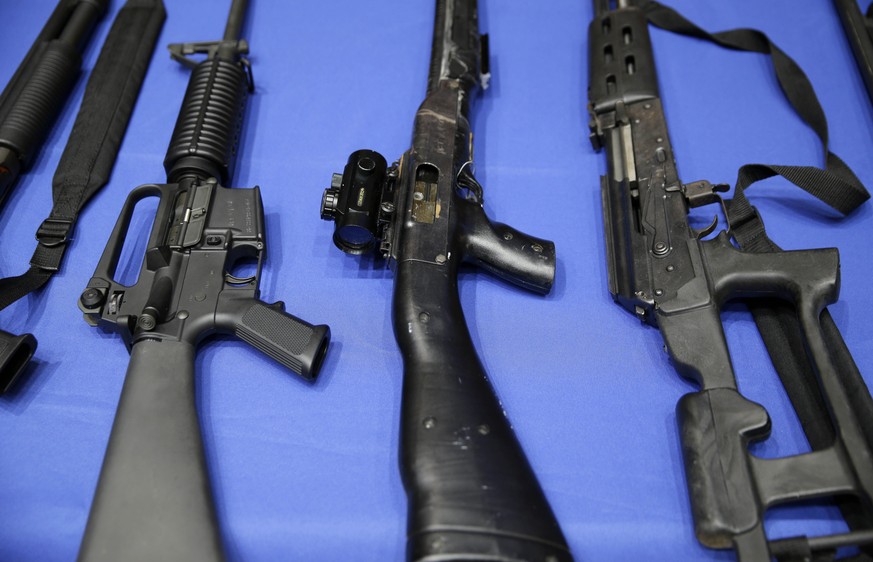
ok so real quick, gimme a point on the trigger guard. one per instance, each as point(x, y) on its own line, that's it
point(707, 230)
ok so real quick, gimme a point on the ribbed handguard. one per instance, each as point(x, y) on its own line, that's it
point(207, 131)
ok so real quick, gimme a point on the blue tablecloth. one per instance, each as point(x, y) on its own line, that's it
point(309, 471)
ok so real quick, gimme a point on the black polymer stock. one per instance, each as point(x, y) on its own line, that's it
point(665, 273)
point(472, 493)
point(153, 500)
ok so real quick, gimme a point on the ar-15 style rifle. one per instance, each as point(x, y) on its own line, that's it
point(472, 493)
point(665, 272)
point(153, 501)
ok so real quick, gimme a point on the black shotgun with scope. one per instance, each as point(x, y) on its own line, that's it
point(153, 500)
point(472, 493)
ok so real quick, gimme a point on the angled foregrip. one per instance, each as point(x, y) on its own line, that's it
point(472, 493)
point(153, 500)
point(521, 259)
point(295, 343)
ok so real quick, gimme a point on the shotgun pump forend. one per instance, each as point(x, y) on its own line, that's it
point(41, 85)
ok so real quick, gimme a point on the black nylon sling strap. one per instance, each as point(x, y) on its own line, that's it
point(838, 187)
point(91, 149)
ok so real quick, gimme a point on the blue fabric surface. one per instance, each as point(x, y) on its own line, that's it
point(309, 471)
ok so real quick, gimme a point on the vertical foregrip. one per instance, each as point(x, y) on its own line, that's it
point(472, 493)
point(153, 500)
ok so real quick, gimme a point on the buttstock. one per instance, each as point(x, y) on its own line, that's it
point(472, 493)
point(153, 499)
point(808, 278)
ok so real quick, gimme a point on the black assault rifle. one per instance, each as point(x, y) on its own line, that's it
point(472, 493)
point(664, 272)
point(153, 501)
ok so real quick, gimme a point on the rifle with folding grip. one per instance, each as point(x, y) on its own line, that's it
point(153, 500)
point(670, 276)
point(472, 493)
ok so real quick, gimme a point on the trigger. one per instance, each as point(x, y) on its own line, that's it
point(706, 231)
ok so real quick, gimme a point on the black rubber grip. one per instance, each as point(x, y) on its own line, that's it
point(153, 500)
point(15, 353)
point(519, 258)
point(296, 344)
point(207, 131)
point(41, 98)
